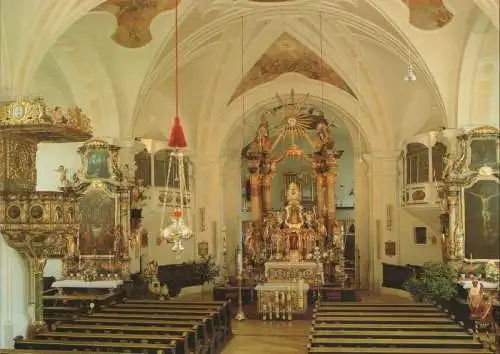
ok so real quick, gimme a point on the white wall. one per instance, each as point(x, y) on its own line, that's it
point(49, 157)
point(410, 252)
point(14, 318)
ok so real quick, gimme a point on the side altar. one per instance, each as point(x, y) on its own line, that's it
point(98, 254)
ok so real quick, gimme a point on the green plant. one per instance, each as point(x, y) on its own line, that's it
point(207, 270)
point(436, 283)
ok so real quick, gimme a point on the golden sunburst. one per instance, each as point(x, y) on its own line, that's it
point(293, 122)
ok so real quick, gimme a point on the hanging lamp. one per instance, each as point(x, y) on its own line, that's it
point(177, 187)
point(410, 73)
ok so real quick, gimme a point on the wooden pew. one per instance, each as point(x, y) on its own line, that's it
point(223, 306)
point(181, 341)
point(193, 332)
point(81, 300)
point(95, 346)
point(216, 323)
point(209, 336)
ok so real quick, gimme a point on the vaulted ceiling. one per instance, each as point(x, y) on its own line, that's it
point(115, 59)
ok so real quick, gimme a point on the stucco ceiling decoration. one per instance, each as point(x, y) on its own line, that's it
point(287, 55)
point(134, 18)
point(270, 0)
point(428, 14)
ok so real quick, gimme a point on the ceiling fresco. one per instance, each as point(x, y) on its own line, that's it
point(428, 14)
point(133, 19)
point(286, 55)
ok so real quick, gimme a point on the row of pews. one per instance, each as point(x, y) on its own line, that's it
point(387, 328)
point(140, 326)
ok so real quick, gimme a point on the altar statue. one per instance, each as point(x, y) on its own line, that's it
point(294, 214)
point(475, 299)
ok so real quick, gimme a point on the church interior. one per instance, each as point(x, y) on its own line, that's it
point(249, 176)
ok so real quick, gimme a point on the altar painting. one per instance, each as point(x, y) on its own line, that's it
point(481, 203)
point(99, 234)
point(98, 164)
point(483, 154)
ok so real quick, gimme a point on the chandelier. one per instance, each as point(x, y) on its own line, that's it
point(178, 230)
point(176, 187)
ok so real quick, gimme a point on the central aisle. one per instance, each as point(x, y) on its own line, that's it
point(254, 336)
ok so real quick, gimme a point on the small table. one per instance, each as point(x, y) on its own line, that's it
point(267, 292)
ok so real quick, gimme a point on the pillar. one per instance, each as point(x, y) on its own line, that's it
point(267, 204)
point(320, 197)
point(255, 196)
point(331, 203)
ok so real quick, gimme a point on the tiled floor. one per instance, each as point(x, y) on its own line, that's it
point(259, 337)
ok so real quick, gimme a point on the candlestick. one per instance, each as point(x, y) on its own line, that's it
point(240, 315)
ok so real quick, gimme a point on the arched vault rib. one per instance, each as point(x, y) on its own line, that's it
point(230, 74)
point(93, 91)
point(263, 95)
point(51, 19)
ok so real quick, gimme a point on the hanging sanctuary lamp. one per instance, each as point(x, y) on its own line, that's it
point(177, 188)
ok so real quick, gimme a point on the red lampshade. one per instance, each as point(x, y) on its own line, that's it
point(177, 139)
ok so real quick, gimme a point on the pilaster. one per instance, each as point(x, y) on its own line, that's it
point(208, 199)
point(383, 187)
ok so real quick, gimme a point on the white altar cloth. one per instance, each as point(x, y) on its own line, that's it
point(80, 284)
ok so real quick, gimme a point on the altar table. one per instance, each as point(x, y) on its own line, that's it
point(80, 284)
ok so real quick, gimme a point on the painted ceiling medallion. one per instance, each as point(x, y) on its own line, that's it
point(286, 55)
point(428, 14)
point(134, 18)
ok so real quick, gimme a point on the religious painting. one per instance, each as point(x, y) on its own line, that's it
point(483, 154)
point(99, 161)
point(134, 18)
point(99, 233)
point(482, 210)
point(98, 164)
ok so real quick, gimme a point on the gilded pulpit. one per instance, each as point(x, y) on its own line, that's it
point(36, 223)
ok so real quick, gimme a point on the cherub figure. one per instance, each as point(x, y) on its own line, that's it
point(63, 176)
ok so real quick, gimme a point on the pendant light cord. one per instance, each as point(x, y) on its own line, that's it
point(177, 60)
point(321, 64)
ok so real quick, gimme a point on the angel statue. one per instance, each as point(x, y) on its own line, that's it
point(63, 176)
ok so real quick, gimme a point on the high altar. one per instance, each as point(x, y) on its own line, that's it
point(289, 243)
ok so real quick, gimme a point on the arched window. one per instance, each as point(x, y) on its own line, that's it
point(417, 163)
point(143, 163)
point(161, 165)
point(438, 152)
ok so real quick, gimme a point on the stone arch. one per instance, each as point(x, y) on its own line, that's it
point(345, 104)
point(471, 62)
point(343, 64)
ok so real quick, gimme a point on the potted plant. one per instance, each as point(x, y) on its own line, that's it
point(436, 283)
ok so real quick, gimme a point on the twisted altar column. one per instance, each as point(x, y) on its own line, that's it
point(255, 196)
point(267, 181)
point(320, 197)
point(331, 203)
point(453, 217)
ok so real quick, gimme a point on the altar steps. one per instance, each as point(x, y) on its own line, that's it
point(331, 292)
point(407, 328)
